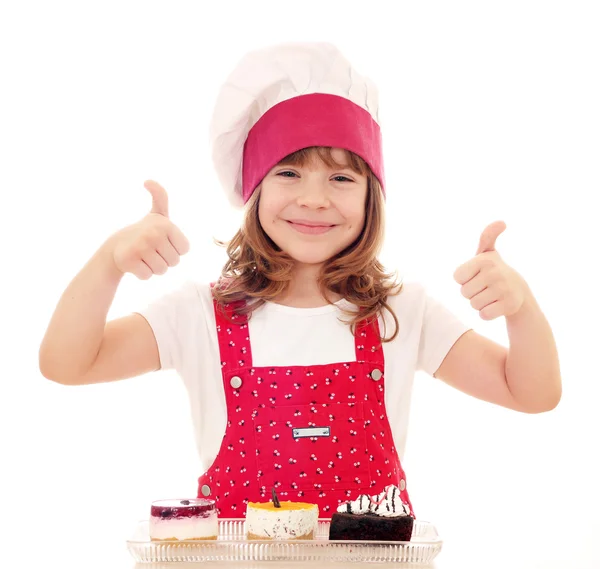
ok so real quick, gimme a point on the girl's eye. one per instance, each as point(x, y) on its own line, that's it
point(290, 174)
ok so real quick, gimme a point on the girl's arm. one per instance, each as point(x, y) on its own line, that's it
point(79, 347)
point(526, 376)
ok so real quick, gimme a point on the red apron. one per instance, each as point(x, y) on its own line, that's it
point(316, 434)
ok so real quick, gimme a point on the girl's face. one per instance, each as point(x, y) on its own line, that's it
point(313, 212)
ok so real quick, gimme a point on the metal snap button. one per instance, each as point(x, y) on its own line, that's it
point(205, 490)
point(376, 374)
point(402, 485)
point(236, 382)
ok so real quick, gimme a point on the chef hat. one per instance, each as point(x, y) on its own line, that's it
point(284, 98)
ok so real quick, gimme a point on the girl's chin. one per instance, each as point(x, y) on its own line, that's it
point(312, 255)
point(310, 260)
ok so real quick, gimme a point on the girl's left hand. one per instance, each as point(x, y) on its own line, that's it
point(494, 288)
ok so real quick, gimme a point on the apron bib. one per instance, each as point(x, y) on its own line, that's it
point(317, 434)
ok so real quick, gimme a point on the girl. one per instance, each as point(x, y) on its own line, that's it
point(301, 356)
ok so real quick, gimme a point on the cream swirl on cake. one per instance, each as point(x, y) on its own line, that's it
point(386, 504)
point(359, 506)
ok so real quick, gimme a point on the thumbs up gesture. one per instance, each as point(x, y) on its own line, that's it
point(153, 244)
point(494, 288)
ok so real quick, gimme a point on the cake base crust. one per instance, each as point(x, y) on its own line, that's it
point(188, 539)
point(251, 536)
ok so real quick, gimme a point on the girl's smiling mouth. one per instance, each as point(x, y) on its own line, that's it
point(310, 227)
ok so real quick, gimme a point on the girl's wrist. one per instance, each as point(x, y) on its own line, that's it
point(106, 256)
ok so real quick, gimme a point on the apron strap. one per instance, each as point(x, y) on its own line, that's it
point(233, 336)
point(367, 342)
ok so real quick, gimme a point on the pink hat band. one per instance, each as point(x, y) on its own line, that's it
point(317, 119)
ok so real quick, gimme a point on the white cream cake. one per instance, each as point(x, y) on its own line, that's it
point(186, 519)
point(291, 520)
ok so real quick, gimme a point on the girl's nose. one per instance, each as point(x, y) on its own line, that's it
point(313, 194)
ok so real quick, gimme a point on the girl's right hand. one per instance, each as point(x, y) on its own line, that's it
point(151, 245)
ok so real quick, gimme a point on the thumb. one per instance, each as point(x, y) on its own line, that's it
point(487, 241)
point(160, 199)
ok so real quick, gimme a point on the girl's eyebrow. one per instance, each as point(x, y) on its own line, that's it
point(334, 167)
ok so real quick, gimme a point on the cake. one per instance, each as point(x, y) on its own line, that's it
point(383, 517)
point(281, 520)
point(178, 520)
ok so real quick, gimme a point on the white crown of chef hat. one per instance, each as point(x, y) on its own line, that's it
point(284, 98)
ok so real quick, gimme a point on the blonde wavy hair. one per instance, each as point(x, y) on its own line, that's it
point(258, 271)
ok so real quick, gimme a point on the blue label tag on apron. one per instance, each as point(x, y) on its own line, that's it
point(311, 432)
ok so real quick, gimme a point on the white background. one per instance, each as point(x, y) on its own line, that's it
point(489, 111)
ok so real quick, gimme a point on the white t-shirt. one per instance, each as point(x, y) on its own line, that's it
point(184, 326)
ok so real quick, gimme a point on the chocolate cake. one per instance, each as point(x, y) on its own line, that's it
point(370, 527)
point(378, 518)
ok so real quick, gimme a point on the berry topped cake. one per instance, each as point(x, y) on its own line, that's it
point(178, 520)
point(281, 520)
point(383, 517)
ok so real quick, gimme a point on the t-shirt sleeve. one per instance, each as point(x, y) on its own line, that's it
point(440, 330)
point(171, 318)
